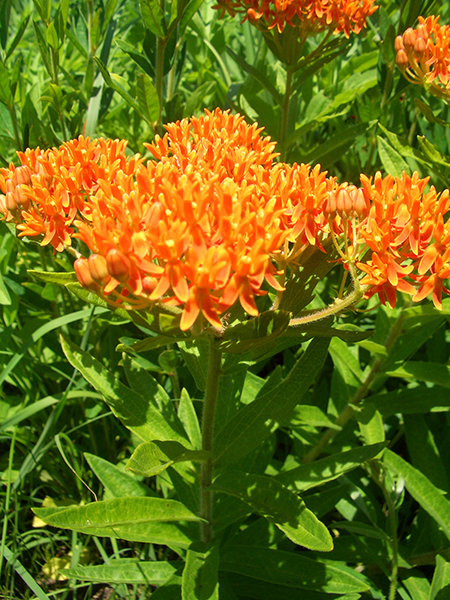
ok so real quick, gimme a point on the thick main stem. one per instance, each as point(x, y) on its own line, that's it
point(209, 412)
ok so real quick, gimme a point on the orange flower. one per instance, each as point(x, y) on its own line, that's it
point(423, 55)
point(310, 16)
point(212, 219)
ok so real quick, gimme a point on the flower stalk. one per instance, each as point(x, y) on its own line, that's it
point(209, 412)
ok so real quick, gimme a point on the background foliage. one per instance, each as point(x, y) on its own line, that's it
point(70, 68)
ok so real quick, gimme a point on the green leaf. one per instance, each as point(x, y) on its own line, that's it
point(417, 584)
point(142, 382)
point(52, 37)
point(258, 75)
point(147, 98)
point(278, 505)
point(254, 332)
point(424, 371)
point(115, 82)
point(141, 415)
point(5, 298)
point(149, 343)
point(118, 483)
point(24, 574)
point(256, 421)
point(391, 160)
point(370, 424)
point(189, 11)
point(5, 89)
point(189, 419)
point(429, 114)
point(422, 490)
point(362, 529)
point(153, 520)
point(151, 458)
point(415, 401)
point(196, 357)
point(128, 570)
point(440, 586)
point(52, 277)
point(153, 17)
point(320, 471)
point(289, 569)
point(328, 153)
point(200, 575)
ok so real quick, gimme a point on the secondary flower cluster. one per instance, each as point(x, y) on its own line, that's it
point(423, 55)
point(310, 16)
point(213, 217)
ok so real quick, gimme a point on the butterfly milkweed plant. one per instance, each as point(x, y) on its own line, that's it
point(224, 265)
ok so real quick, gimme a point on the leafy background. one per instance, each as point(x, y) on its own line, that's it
point(89, 67)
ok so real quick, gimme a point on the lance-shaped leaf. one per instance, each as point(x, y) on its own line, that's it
point(320, 471)
point(151, 458)
point(118, 483)
point(422, 490)
point(255, 332)
point(153, 520)
point(417, 400)
point(51, 277)
point(148, 343)
point(153, 16)
point(128, 570)
point(200, 575)
point(147, 98)
point(279, 505)
point(254, 423)
point(141, 415)
point(289, 569)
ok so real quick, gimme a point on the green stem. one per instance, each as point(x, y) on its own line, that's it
point(159, 75)
point(360, 394)
point(339, 305)
point(209, 411)
point(285, 110)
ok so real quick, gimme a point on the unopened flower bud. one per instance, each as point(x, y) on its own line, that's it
point(360, 204)
point(98, 269)
point(344, 203)
point(409, 38)
point(422, 32)
point(329, 206)
point(419, 47)
point(118, 265)
point(23, 175)
point(402, 59)
point(3, 208)
point(148, 285)
point(83, 274)
point(398, 44)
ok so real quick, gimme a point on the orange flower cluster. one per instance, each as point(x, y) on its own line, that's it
point(310, 16)
point(213, 217)
point(423, 55)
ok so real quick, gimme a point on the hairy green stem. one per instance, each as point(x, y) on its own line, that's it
point(209, 412)
point(360, 394)
point(338, 306)
point(159, 78)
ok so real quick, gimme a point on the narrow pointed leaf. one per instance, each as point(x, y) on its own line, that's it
point(153, 520)
point(256, 421)
point(422, 490)
point(320, 471)
point(137, 413)
point(128, 570)
point(147, 97)
point(153, 16)
point(279, 505)
point(51, 277)
point(200, 575)
point(289, 569)
point(118, 483)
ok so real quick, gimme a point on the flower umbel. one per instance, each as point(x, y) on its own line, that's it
point(423, 56)
point(212, 219)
